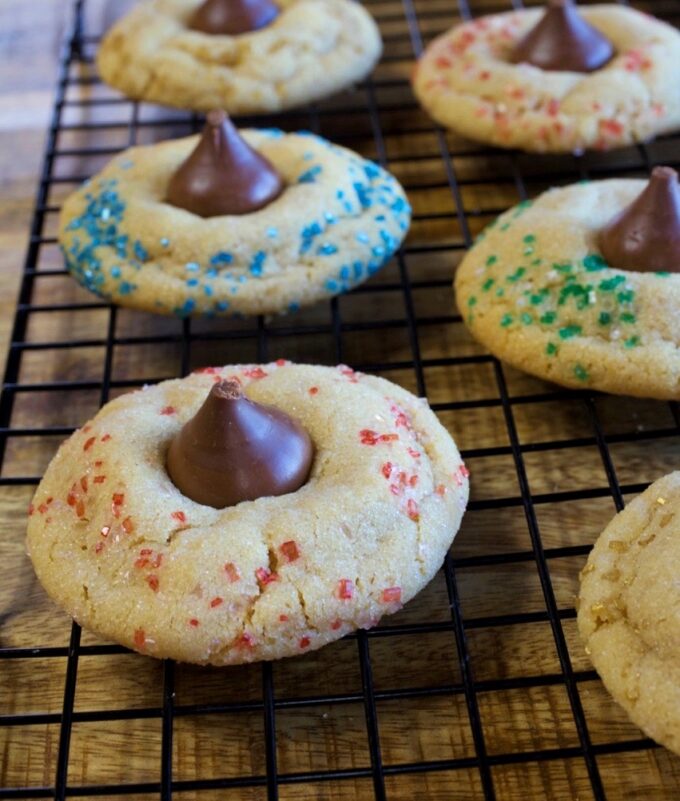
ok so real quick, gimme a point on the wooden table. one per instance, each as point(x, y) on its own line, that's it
point(522, 700)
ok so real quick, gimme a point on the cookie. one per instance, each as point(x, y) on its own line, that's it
point(339, 219)
point(313, 49)
point(466, 81)
point(628, 610)
point(536, 290)
point(264, 579)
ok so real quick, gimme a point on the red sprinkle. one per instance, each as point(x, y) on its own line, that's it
point(368, 437)
point(611, 126)
point(146, 552)
point(265, 576)
point(281, 362)
point(387, 469)
point(43, 508)
point(80, 509)
point(290, 550)
point(106, 437)
point(313, 390)
point(193, 622)
point(167, 410)
point(335, 625)
point(283, 618)
point(254, 372)
point(128, 525)
point(391, 595)
point(71, 497)
point(179, 516)
point(99, 547)
point(217, 601)
point(152, 581)
point(232, 572)
point(98, 463)
point(99, 479)
point(441, 489)
point(30, 509)
point(389, 437)
point(414, 453)
point(412, 510)
point(87, 428)
point(345, 589)
point(245, 640)
point(304, 642)
point(83, 483)
point(140, 638)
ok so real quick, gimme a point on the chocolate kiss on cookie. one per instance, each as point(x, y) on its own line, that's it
point(233, 16)
point(224, 175)
point(236, 450)
point(645, 236)
point(563, 40)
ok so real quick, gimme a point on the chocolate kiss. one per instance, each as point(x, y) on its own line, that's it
point(563, 40)
point(224, 175)
point(645, 236)
point(233, 16)
point(236, 450)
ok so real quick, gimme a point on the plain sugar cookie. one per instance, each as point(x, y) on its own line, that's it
point(273, 577)
point(629, 610)
point(312, 49)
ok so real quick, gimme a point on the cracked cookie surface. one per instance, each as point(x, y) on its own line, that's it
point(466, 82)
point(313, 49)
point(116, 544)
point(338, 221)
point(536, 291)
point(629, 610)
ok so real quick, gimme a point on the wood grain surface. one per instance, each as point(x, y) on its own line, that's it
point(522, 700)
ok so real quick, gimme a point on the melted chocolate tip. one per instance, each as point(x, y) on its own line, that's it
point(233, 17)
point(227, 389)
point(216, 117)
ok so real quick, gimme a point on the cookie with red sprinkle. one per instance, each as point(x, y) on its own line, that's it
point(485, 81)
point(265, 578)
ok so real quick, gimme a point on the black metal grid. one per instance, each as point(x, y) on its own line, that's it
point(529, 177)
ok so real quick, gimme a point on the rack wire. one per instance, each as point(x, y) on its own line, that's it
point(518, 537)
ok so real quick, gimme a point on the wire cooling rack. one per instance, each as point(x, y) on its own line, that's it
point(478, 689)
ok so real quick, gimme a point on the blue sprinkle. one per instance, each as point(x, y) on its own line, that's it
point(372, 170)
point(257, 262)
point(272, 133)
point(207, 289)
point(378, 250)
point(344, 272)
point(293, 306)
point(308, 156)
point(362, 237)
point(223, 257)
point(380, 217)
point(358, 267)
point(327, 249)
point(272, 233)
point(399, 205)
point(125, 288)
point(192, 267)
point(115, 272)
point(192, 282)
point(211, 273)
point(165, 241)
point(222, 305)
point(340, 194)
point(330, 218)
point(140, 251)
point(187, 308)
point(331, 285)
point(125, 165)
point(309, 177)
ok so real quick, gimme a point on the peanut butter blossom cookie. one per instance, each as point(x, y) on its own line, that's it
point(248, 56)
point(226, 223)
point(247, 512)
point(629, 607)
point(554, 80)
point(582, 287)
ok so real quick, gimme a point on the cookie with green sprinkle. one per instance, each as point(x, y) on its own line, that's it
point(536, 290)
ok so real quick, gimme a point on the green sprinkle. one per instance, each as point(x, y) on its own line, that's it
point(563, 268)
point(626, 296)
point(486, 286)
point(540, 296)
point(519, 272)
point(529, 238)
point(627, 317)
point(551, 348)
point(605, 318)
point(569, 331)
point(632, 342)
point(610, 284)
point(526, 318)
point(581, 373)
point(594, 262)
point(504, 227)
point(662, 273)
point(500, 292)
point(536, 262)
point(472, 301)
point(491, 260)
point(549, 318)
point(506, 320)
